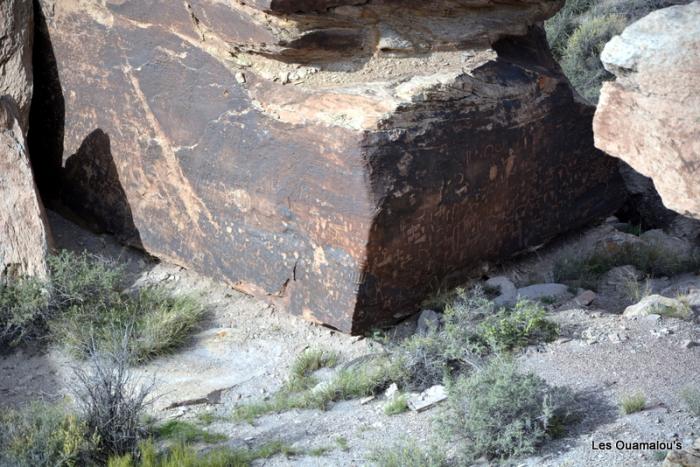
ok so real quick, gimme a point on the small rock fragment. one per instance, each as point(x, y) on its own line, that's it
point(366, 400)
point(585, 298)
point(428, 398)
point(391, 391)
point(689, 344)
point(507, 289)
point(540, 291)
point(616, 338)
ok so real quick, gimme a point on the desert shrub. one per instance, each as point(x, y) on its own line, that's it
point(691, 397)
point(349, 383)
point(92, 310)
point(632, 403)
point(498, 412)
point(184, 455)
point(82, 305)
point(406, 454)
point(580, 30)
point(560, 27)
point(84, 280)
point(112, 401)
point(306, 363)
point(397, 405)
point(472, 328)
point(653, 259)
point(506, 330)
point(162, 323)
point(24, 310)
point(44, 435)
point(427, 359)
point(581, 58)
point(186, 432)
point(159, 323)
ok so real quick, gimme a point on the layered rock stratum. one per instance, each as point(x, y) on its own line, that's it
point(344, 158)
point(650, 115)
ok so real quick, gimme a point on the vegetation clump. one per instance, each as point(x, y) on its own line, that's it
point(580, 30)
point(44, 435)
point(473, 328)
point(184, 455)
point(652, 259)
point(397, 405)
point(691, 397)
point(633, 403)
point(82, 305)
point(24, 311)
point(498, 412)
point(407, 454)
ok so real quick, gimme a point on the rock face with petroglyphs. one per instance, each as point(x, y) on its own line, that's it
point(650, 115)
point(344, 158)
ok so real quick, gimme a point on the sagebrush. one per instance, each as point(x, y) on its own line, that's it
point(499, 412)
point(112, 401)
point(580, 30)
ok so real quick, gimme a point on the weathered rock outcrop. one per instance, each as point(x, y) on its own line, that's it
point(24, 232)
point(346, 157)
point(16, 37)
point(650, 116)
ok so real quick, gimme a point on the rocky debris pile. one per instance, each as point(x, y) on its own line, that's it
point(340, 158)
point(649, 115)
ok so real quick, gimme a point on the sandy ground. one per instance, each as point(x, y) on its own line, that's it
point(245, 349)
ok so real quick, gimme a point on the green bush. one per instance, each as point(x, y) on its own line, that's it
point(406, 454)
point(652, 259)
point(580, 30)
point(691, 397)
point(525, 324)
point(633, 403)
point(399, 404)
point(581, 58)
point(183, 455)
point(472, 328)
point(83, 304)
point(306, 363)
point(44, 435)
point(560, 27)
point(349, 383)
point(427, 359)
point(498, 412)
point(187, 432)
point(84, 280)
point(24, 310)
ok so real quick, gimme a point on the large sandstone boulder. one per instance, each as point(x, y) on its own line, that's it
point(16, 37)
point(346, 158)
point(650, 116)
point(24, 232)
